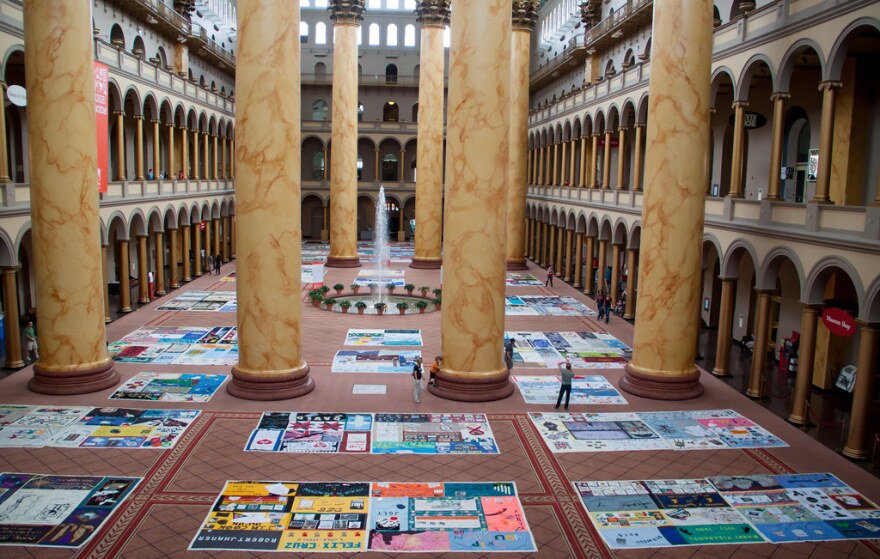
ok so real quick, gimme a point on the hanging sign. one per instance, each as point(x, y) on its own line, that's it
point(839, 322)
point(102, 106)
point(202, 226)
point(751, 120)
point(17, 95)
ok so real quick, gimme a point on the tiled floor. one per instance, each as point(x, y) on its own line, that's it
point(163, 514)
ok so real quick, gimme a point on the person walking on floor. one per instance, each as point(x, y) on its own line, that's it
point(417, 380)
point(607, 308)
point(209, 264)
point(508, 354)
point(549, 281)
point(566, 374)
point(217, 264)
point(600, 304)
point(30, 343)
point(435, 368)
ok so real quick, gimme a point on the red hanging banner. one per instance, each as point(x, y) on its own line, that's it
point(102, 106)
point(839, 322)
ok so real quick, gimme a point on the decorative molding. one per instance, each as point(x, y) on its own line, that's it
point(346, 12)
point(433, 13)
point(525, 15)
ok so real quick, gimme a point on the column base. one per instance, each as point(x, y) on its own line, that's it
point(15, 365)
point(143, 301)
point(325, 235)
point(720, 373)
point(174, 285)
point(483, 388)
point(401, 236)
point(628, 316)
point(519, 264)
point(854, 454)
point(797, 420)
point(755, 394)
point(126, 310)
point(248, 385)
point(343, 262)
point(426, 263)
point(661, 388)
point(63, 383)
point(161, 292)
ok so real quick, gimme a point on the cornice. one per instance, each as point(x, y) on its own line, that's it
point(433, 13)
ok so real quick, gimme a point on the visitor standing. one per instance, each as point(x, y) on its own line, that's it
point(209, 268)
point(549, 281)
point(217, 264)
point(508, 354)
point(566, 374)
point(600, 304)
point(435, 368)
point(607, 308)
point(417, 380)
point(30, 339)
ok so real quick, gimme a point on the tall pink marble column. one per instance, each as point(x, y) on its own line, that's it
point(525, 14)
point(472, 325)
point(663, 366)
point(267, 111)
point(433, 17)
point(59, 70)
point(346, 16)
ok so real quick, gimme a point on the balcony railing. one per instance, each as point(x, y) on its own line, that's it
point(198, 37)
point(573, 54)
point(390, 80)
point(167, 18)
point(605, 28)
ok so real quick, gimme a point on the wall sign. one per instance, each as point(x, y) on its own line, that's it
point(751, 120)
point(17, 95)
point(838, 322)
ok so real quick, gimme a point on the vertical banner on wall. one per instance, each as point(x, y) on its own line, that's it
point(102, 105)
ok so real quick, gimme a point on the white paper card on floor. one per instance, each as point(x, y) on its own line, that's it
point(362, 389)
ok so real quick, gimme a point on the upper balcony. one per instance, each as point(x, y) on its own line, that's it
point(166, 20)
point(199, 41)
point(377, 80)
point(573, 54)
point(633, 16)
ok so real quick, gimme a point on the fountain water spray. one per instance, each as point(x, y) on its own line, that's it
point(380, 238)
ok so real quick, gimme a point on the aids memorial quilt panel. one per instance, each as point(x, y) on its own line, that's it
point(514, 279)
point(593, 389)
point(374, 361)
point(178, 345)
point(312, 432)
point(169, 387)
point(392, 338)
point(433, 433)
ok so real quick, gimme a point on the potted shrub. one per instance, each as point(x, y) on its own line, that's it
point(437, 292)
point(329, 303)
point(409, 288)
point(324, 290)
point(437, 302)
point(402, 306)
point(355, 288)
point(344, 305)
point(315, 296)
point(360, 306)
point(339, 287)
point(390, 286)
point(424, 290)
point(421, 305)
point(380, 307)
point(372, 287)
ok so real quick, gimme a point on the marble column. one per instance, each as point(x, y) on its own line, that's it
point(267, 111)
point(105, 277)
point(477, 150)
point(157, 156)
point(826, 137)
point(60, 76)
point(637, 159)
point(555, 181)
point(540, 169)
point(184, 146)
point(551, 246)
point(197, 249)
point(206, 242)
point(4, 160)
point(725, 322)
point(195, 154)
point(606, 161)
point(224, 248)
point(216, 249)
point(216, 176)
point(233, 245)
point(563, 163)
point(232, 167)
point(187, 263)
point(806, 356)
point(12, 331)
point(432, 17)
point(582, 173)
point(560, 250)
point(613, 289)
point(346, 16)
point(736, 163)
point(621, 159)
point(589, 286)
point(120, 145)
point(159, 241)
point(539, 244)
point(578, 260)
point(662, 365)
point(525, 15)
point(600, 270)
point(174, 279)
point(143, 268)
point(857, 445)
point(566, 277)
point(222, 158)
point(778, 100)
point(139, 147)
point(631, 275)
point(759, 354)
point(572, 180)
point(124, 265)
point(206, 158)
point(594, 161)
point(172, 168)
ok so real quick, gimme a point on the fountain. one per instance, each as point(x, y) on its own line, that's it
point(380, 240)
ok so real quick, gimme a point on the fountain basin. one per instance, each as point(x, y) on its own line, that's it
point(390, 300)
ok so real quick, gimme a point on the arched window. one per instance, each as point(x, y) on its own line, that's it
point(360, 35)
point(409, 4)
point(320, 33)
point(303, 32)
point(415, 112)
point(318, 165)
point(360, 167)
point(375, 5)
point(391, 73)
point(163, 59)
point(392, 4)
point(117, 37)
point(320, 3)
point(375, 37)
point(391, 35)
point(320, 70)
point(391, 112)
point(138, 47)
point(447, 37)
point(409, 36)
point(360, 111)
point(319, 110)
point(390, 168)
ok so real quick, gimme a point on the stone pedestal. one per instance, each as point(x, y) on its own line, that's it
point(64, 200)
point(472, 331)
point(267, 110)
point(663, 366)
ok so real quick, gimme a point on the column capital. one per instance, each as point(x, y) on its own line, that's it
point(779, 95)
point(432, 13)
point(11, 269)
point(119, 113)
point(739, 104)
point(868, 326)
point(171, 228)
point(525, 15)
point(183, 127)
point(169, 124)
point(621, 128)
point(728, 280)
point(829, 85)
point(346, 12)
point(140, 236)
point(155, 121)
point(640, 125)
point(811, 307)
point(138, 117)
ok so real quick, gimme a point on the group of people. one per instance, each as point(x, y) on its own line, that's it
point(417, 376)
point(165, 175)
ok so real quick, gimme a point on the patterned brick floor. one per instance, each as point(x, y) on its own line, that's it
point(163, 514)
